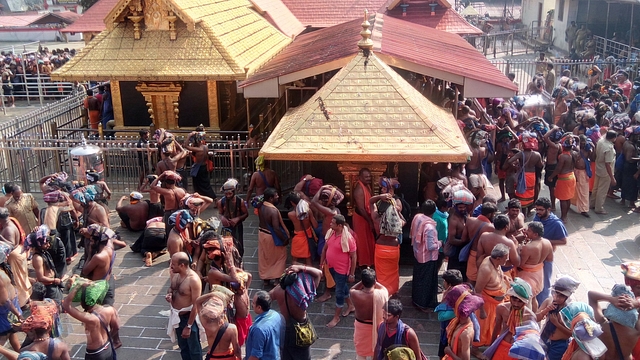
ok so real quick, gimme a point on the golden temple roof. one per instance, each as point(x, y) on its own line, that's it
point(367, 112)
point(215, 40)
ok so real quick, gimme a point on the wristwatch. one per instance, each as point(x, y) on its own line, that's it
point(189, 325)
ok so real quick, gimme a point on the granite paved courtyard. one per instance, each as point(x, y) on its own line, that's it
point(596, 247)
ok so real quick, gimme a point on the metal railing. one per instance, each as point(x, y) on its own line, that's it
point(511, 42)
point(26, 160)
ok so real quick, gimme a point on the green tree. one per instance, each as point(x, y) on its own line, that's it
point(86, 4)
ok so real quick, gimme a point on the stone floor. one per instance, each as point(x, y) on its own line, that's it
point(596, 247)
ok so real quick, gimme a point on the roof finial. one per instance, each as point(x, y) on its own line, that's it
point(365, 43)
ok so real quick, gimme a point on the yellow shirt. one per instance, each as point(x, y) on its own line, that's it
point(22, 210)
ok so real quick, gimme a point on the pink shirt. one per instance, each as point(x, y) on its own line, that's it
point(424, 238)
point(626, 87)
point(336, 258)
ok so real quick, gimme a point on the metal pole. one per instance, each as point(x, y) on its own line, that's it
point(24, 79)
point(606, 29)
point(39, 85)
point(631, 39)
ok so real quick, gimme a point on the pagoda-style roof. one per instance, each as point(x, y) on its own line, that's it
point(215, 40)
point(367, 112)
point(279, 16)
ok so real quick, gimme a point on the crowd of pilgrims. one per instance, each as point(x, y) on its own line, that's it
point(499, 293)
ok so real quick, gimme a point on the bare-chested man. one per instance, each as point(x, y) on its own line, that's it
point(478, 152)
point(172, 160)
point(171, 193)
point(8, 299)
point(180, 237)
point(492, 287)
point(587, 156)
point(387, 248)
point(224, 272)
point(533, 254)
point(551, 138)
point(99, 263)
point(294, 309)
point(362, 219)
point(223, 346)
point(101, 324)
point(197, 144)
point(304, 225)
point(529, 160)
point(474, 228)
point(183, 292)
point(554, 334)
point(566, 184)
point(272, 238)
point(368, 297)
point(516, 219)
point(133, 216)
point(458, 215)
point(12, 234)
point(262, 179)
point(155, 205)
point(512, 314)
point(488, 241)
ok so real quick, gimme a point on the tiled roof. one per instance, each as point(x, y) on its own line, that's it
point(310, 49)
point(445, 19)
point(325, 13)
point(367, 112)
point(279, 16)
point(393, 38)
point(18, 20)
point(92, 20)
point(219, 40)
point(438, 50)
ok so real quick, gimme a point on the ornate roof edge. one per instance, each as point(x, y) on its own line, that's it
point(118, 13)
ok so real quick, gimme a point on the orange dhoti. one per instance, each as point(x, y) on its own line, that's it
point(272, 259)
point(534, 276)
point(472, 266)
point(526, 198)
point(565, 186)
point(300, 244)
point(362, 339)
point(502, 352)
point(581, 196)
point(488, 324)
point(387, 263)
point(366, 241)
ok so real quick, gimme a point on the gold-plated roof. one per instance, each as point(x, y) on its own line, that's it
point(216, 40)
point(373, 115)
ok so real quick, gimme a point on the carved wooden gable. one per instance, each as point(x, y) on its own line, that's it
point(149, 15)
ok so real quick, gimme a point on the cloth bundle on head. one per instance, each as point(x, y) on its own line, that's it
point(214, 309)
point(214, 246)
point(312, 186)
point(527, 344)
point(61, 176)
point(569, 141)
point(520, 289)
point(565, 285)
point(632, 130)
point(100, 233)
point(578, 317)
point(619, 122)
point(37, 321)
point(82, 197)
point(389, 183)
point(92, 176)
point(180, 219)
point(463, 196)
point(560, 92)
point(260, 163)
point(38, 238)
point(302, 290)
point(331, 192)
point(302, 209)
point(91, 295)
point(229, 185)
point(529, 140)
point(628, 318)
point(54, 197)
point(475, 137)
point(631, 270)
point(257, 201)
point(538, 125)
point(462, 301)
point(136, 195)
point(31, 355)
point(5, 250)
point(172, 175)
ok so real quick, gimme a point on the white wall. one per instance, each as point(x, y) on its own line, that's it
point(530, 11)
point(559, 27)
point(36, 35)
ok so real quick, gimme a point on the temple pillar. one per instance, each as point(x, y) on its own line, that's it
point(162, 99)
point(212, 95)
point(350, 172)
point(116, 102)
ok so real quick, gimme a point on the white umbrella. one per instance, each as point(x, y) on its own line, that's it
point(535, 101)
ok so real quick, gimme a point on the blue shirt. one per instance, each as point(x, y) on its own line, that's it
point(553, 227)
point(263, 340)
point(442, 225)
point(477, 211)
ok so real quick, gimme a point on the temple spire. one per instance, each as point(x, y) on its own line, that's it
point(365, 43)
